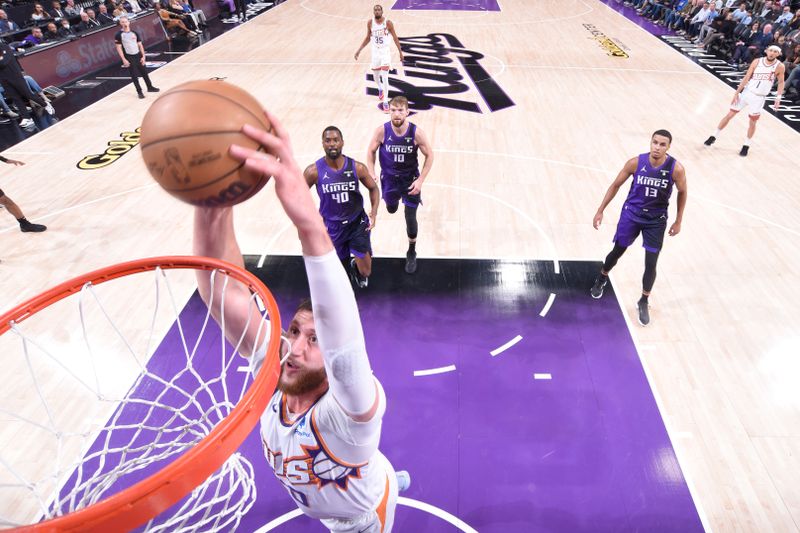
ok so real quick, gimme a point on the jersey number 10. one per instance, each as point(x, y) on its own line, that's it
point(399, 158)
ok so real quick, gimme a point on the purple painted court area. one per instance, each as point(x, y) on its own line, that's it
point(448, 5)
point(586, 450)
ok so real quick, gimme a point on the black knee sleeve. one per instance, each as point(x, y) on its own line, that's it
point(392, 208)
point(650, 260)
point(613, 257)
point(411, 222)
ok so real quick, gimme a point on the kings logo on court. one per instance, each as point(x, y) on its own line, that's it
point(439, 71)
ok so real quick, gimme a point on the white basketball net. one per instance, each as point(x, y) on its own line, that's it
point(97, 417)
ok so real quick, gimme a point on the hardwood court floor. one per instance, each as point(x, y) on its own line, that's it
point(521, 182)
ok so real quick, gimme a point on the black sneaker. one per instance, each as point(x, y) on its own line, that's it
point(744, 150)
point(411, 262)
point(153, 89)
point(356, 277)
point(644, 312)
point(141, 95)
point(710, 141)
point(599, 285)
point(27, 227)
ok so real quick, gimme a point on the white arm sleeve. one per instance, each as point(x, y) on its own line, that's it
point(341, 338)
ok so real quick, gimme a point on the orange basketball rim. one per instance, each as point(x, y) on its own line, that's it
point(141, 502)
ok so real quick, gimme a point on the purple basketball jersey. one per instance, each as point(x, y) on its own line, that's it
point(651, 186)
point(340, 198)
point(398, 153)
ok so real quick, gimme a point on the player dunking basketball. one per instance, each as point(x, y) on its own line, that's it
point(378, 31)
point(322, 426)
point(754, 88)
point(342, 206)
point(645, 212)
point(399, 141)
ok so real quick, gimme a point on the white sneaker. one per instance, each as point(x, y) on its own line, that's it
point(49, 109)
point(403, 480)
point(26, 123)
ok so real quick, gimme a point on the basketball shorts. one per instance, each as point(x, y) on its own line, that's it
point(394, 189)
point(380, 520)
point(350, 237)
point(381, 59)
point(753, 102)
point(651, 226)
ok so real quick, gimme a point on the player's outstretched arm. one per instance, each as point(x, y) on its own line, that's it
point(336, 318)
point(626, 172)
point(679, 177)
point(214, 237)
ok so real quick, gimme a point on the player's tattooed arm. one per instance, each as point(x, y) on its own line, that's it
point(368, 180)
point(626, 172)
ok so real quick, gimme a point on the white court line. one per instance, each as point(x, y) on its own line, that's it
point(607, 69)
point(270, 244)
point(79, 206)
point(407, 502)
point(520, 212)
point(589, 9)
point(503, 66)
point(543, 376)
point(506, 346)
point(603, 171)
point(671, 433)
point(546, 308)
point(432, 371)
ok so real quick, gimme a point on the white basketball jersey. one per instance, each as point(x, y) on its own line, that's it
point(763, 77)
point(328, 463)
point(380, 36)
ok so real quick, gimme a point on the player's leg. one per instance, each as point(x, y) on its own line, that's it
point(724, 122)
point(361, 248)
point(384, 74)
point(376, 75)
point(24, 224)
point(390, 194)
point(653, 237)
point(627, 231)
point(751, 130)
point(411, 203)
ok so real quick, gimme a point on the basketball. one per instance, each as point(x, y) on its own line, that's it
point(185, 137)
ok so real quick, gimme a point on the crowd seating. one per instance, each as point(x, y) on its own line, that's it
point(734, 30)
